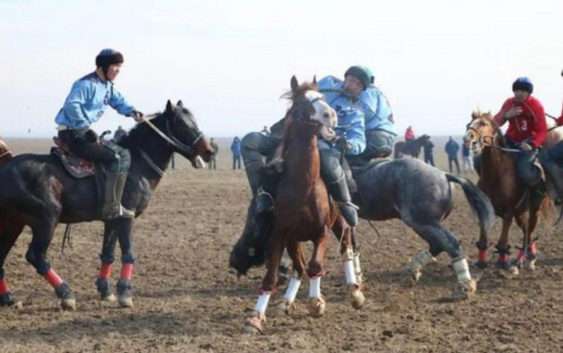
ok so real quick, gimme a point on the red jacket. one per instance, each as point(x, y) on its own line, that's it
point(409, 134)
point(528, 125)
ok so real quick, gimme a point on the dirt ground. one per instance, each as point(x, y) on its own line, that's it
point(186, 300)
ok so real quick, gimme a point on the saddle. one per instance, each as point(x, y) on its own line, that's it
point(75, 166)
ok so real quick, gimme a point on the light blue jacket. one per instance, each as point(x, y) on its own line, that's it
point(377, 110)
point(351, 119)
point(88, 100)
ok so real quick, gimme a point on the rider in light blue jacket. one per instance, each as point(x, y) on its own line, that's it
point(369, 101)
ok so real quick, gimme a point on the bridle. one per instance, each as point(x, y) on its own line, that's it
point(169, 137)
point(482, 139)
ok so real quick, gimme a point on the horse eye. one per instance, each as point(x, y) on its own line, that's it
point(326, 115)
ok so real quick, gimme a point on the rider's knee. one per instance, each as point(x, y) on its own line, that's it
point(250, 142)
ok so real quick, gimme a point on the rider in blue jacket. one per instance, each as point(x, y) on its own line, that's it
point(87, 101)
point(343, 97)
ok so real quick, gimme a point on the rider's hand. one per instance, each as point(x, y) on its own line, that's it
point(342, 144)
point(526, 147)
point(512, 112)
point(138, 116)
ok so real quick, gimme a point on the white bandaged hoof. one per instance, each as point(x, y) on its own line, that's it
point(358, 298)
point(464, 290)
point(317, 306)
point(68, 304)
point(255, 324)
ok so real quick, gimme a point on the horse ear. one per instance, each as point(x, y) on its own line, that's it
point(315, 80)
point(294, 84)
point(474, 115)
point(180, 103)
point(169, 106)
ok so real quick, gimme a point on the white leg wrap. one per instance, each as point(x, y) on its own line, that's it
point(420, 260)
point(292, 289)
point(262, 303)
point(350, 273)
point(357, 267)
point(315, 287)
point(461, 268)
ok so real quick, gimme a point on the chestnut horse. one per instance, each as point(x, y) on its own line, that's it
point(509, 195)
point(35, 190)
point(303, 209)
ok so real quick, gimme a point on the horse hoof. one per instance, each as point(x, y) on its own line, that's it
point(317, 307)
point(464, 290)
point(110, 298)
point(502, 265)
point(514, 270)
point(531, 265)
point(358, 298)
point(287, 307)
point(68, 304)
point(480, 264)
point(125, 301)
point(18, 305)
point(253, 325)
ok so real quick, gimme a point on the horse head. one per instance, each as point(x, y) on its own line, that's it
point(309, 107)
point(481, 131)
point(187, 138)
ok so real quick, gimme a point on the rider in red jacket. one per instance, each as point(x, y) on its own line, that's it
point(409, 134)
point(527, 128)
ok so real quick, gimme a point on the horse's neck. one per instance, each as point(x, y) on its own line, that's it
point(493, 163)
point(150, 158)
point(303, 162)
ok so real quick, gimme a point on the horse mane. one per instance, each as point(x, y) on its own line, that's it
point(300, 91)
point(137, 134)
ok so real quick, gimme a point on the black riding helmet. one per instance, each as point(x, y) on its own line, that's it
point(108, 57)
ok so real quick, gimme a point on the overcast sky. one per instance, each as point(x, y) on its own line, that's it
point(230, 61)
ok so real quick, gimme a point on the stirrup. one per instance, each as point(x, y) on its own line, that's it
point(264, 201)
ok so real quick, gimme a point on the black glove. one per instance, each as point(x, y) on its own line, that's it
point(137, 115)
point(342, 144)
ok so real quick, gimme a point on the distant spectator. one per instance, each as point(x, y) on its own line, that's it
point(467, 157)
point(409, 134)
point(452, 149)
point(235, 149)
point(213, 159)
point(119, 134)
point(429, 152)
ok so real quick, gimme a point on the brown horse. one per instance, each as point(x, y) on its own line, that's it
point(303, 209)
point(509, 195)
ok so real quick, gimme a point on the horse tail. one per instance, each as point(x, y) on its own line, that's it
point(479, 202)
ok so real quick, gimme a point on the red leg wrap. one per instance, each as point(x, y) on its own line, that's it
point(53, 278)
point(105, 271)
point(3, 287)
point(127, 271)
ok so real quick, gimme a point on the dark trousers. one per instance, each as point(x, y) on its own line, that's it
point(454, 160)
point(429, 159)
point(236, 161)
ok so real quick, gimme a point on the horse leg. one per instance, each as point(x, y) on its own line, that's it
point(349, 258)
point(503, 248)
point(482, 245)
point(103, 283)
point(338, 229)
point(268, 283)
point(36, 255)
point(295, 251)
point(440, 239)
point(528, 252)
point(9, 232)
point(123, 226)
point(317, 303)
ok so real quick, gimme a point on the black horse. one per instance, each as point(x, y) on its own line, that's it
point(410, 148)
point(406, 188)
point(35, 190)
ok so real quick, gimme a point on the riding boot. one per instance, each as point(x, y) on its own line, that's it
point(341, 194)
point(114, 186)
point(264, 201)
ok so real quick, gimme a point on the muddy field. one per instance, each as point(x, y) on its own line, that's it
point(186, 300)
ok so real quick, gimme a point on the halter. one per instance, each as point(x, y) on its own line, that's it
point(171, 139)
point(482, 139)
